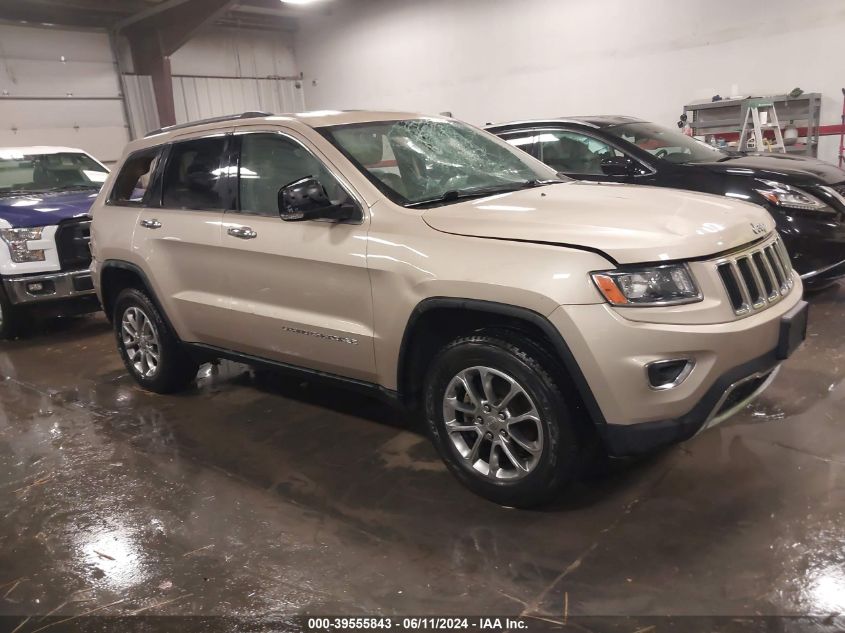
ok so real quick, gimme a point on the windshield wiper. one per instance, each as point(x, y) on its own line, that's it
point(454, 195)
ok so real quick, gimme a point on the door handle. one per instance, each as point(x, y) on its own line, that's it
point(151, 224)
point(242, 232)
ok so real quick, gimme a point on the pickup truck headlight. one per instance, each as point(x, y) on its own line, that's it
point(16, 240)
point(782, 195)
point(669, 284)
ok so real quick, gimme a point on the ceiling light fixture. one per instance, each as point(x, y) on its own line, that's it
point(298, 1)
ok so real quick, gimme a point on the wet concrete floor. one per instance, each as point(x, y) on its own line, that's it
point(255, 495)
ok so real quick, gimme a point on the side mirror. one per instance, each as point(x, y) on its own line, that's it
point(619, 166)
point(306, 199)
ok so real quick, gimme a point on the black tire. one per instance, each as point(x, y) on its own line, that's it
point(523, 361)
point(9, 317)
point(175, 369)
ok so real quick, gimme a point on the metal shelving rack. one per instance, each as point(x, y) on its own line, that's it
point(725, 118)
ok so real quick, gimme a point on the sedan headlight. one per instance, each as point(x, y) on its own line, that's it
point(782, 195)
point(669, 284)
point(16, 240)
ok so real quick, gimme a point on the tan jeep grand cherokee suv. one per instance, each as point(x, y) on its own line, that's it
point(532, 317)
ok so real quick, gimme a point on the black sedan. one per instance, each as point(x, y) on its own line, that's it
point(805, 196)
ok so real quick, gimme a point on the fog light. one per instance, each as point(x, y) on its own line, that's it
point(40, 287)
point(666, 374)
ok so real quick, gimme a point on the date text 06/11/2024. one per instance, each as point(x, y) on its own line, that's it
point(422, 623)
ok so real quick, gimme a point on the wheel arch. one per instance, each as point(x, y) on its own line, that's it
point(117, 274)
point(455, 317)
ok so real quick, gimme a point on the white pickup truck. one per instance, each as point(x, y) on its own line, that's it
point(45, 195)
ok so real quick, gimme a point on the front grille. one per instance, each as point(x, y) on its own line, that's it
point(757, 278)
point(72, 239)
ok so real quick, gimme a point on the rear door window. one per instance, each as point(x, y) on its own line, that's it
point(135, 177)
point(193, 177)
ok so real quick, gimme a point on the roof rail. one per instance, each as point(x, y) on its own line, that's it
point(216, 119)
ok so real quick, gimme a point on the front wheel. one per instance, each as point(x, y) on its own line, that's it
point(150, 350)
point(499, 420)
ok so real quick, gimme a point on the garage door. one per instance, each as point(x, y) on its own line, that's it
point(60, 87)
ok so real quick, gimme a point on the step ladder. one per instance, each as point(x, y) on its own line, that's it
point(760, 116)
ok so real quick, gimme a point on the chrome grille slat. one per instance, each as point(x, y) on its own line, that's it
point(784, 257)
point(749, 276)
point(778, 266)
point(758, 280)
point(770, 274)
point(743, 288)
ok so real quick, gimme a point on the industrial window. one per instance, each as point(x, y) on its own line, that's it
point(192, 177)
point(271, 161)
point(131, 184)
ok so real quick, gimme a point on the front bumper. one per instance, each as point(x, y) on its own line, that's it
point(733, 362)
point(816, 244)
point(728, 395)
point(33, 289)
point(824, 275)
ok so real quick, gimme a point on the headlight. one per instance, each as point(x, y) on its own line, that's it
point(16, 240)
point(670, 284)
point(783, 195)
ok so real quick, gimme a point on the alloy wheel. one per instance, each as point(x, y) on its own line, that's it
point(141, 342)
point(492, 423)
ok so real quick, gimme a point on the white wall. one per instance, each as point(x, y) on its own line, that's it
point(495, 60)
point(31, 66)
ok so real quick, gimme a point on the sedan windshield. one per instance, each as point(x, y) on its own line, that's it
point(24, 173)
point(668, 144)
point(419, 162)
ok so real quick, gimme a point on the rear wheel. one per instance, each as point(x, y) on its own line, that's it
point(500, 421)
point(150, 350)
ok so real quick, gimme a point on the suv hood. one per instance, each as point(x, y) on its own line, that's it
point(45, 209)
point(628, 223)
point(780, 167)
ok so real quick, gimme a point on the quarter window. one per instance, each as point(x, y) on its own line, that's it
point(192, 178)
point(271, 161)
point(135, 176)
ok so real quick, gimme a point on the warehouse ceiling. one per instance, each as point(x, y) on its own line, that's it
point(254, 14)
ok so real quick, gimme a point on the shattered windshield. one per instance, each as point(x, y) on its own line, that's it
point(25, 173)
point(429, 161)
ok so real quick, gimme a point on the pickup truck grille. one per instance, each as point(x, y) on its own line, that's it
point(72, 239)
point(757, 278)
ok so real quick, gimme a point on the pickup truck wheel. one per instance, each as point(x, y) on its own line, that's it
point(499, 420)
point(8, 317)
point(150, 350)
